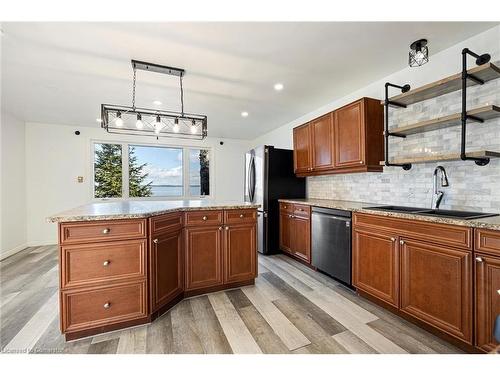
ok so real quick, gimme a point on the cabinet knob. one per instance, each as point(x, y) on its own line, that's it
point(401, 242)
point(284, 206)
point(393, 239)
point(498, 291)
point(107, 305)
point(155, 240)
point(226, 228)
point(479, 259)
point(204, 218)
point(106, 231)
point(361, 162)
point(106, 263)
point(220, 228)
point(242, 216)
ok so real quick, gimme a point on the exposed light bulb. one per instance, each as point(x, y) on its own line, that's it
point(139, 124)
point(158, 125)
point(176, 126)
point(98, 120)
point(118, 120)
point(193, 127)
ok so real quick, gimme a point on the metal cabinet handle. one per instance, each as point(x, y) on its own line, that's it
point(106, 231)
point(204, 218)
point(498, 291)
point(226, 228)
point(479, 259)
point(107, 305)
point(361, 162)
point(242, 216)
point(401, 242)
point(106, 263)
point(155, 240)
point(393, 239)
point(220, 228)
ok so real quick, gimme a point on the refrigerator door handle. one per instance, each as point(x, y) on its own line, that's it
point(251, 179)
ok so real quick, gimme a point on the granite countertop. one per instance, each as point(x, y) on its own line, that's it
point(487, 222)
point(141, 209)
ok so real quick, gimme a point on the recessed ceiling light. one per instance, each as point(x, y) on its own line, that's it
point(278, 86)
point(244, 114)
point(98, 120)
point(157, 102)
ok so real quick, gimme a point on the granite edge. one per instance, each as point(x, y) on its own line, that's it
point(145, 215)
point(475, 223)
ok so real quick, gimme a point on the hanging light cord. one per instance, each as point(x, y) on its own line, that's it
point(133, 90)
point(182, 96)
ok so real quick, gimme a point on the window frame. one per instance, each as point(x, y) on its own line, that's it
point(125, 171)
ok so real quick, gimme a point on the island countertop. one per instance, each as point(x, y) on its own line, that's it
point(492, 223)
point(132, 209)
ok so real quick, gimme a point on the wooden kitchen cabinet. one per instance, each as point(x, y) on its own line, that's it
point(376, 264)
point(295, 231)
point(240, 249)
point(166, 268)
point(302, 155)
point(436, 286)
point(203, 257)
point(349, 139)
point(487, 271)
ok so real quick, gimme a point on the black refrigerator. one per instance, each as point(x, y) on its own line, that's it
point(269, 176)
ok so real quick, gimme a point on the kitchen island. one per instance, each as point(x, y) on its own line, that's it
point(125, 263)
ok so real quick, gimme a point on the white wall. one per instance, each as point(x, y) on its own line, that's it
point(13, 185)
point(444, 63)
point(55, 156)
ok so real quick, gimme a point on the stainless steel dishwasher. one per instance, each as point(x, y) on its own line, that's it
point(331, 242)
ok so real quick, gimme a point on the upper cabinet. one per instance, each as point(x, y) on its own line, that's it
point(349, 139)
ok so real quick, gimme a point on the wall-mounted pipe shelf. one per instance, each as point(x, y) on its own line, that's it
point(486, 72)
point(484, 113)
point(443, 157)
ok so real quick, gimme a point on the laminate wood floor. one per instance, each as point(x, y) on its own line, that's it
point(291, 309)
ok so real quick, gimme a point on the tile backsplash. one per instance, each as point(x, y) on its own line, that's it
point(471, 187)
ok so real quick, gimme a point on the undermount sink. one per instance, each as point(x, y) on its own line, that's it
point(452, 214)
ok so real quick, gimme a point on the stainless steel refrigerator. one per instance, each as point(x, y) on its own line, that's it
point(269, 176)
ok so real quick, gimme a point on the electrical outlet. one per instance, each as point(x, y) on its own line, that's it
point(79, 179)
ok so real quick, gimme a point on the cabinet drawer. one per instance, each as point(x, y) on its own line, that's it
point(240, 216)
point(286, 207)
point(90, 308)
point(302, 210)
point(165, 223)
point(207, 217)
point(488, 241)
point(445, 234)
point(102, 262)
point(101, 231)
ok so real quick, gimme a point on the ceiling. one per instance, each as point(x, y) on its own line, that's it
point(61, 72)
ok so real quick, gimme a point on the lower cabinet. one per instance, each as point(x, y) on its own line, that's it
point(166, 268)
point(487, 299)
point(436, 286)
point(203, 257)
point(376, 264)
point(295, 231)
point(240, 248)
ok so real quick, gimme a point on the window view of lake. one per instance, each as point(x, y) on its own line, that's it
point(172, 190)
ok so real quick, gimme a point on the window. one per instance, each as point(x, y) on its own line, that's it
point(144, 171)
point(107, 170)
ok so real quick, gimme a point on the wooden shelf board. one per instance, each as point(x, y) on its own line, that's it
point(444, 157)
point(486, 72)
point(486, 113)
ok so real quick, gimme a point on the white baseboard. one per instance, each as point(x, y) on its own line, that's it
point(17, 249)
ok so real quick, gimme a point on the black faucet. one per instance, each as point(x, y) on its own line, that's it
point(444, 183)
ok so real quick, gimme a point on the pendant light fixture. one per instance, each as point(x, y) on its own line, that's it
point(121, 119)
point(419, 53)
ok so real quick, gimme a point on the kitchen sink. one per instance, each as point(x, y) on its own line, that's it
point(452, 214)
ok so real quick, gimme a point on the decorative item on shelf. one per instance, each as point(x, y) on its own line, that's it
point(387, 103)
point(121, 119)
point(419, 53)
point(480, 60)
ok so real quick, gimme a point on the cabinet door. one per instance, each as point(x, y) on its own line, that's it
point(487, 300)
point(203, 257)
point(302, 149)
point(436, 286)
point(167, 268)
point(349, 136)
point(286, 223)
point(301, 238)
point(240, 253)
point(322, 143)
point(376, 265)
